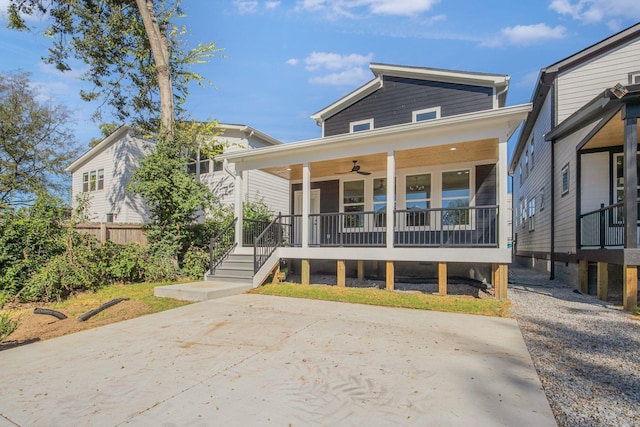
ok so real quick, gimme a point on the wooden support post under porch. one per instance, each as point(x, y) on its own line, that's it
point(442, 278)
point(305, 269)
point(603, 281)
point(500, 279)
point(583, 275)
point(630, 287)
point(390, 276)
point(341, 272)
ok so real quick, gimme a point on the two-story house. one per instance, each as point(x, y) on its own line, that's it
point(575, 170)
point(104, 171)
point(410, 174)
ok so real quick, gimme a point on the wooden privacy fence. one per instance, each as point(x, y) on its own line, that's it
point(117, 233)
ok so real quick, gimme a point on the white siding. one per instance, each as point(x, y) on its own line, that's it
point(118, 161)
point(273, 190)
point(578, 86)
point(565, 210)
point(595, 174)
point(537, 184)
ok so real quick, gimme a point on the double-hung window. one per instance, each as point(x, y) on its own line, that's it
point(353, 201)
point(93, 180)
point(456, 192)
point(418, 199)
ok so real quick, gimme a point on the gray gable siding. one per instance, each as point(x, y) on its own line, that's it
point(394, 103)
point(486, 185)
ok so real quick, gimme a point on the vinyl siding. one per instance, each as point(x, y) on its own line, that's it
point(118, 160)
point(596, 181)
point(536, 184)
point(273, 190)
point(565, 224)
point(578, 86)
point(394, 103)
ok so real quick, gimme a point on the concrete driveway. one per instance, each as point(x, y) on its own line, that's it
point(252, 360)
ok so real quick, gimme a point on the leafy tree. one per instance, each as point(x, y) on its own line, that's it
point(106, 129)
point(137, 58)
point(34, 141)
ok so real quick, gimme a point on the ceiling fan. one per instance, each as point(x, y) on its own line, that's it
point(356, 169)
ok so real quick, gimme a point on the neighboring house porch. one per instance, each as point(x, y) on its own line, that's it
point(448, 207)
point(605, 136)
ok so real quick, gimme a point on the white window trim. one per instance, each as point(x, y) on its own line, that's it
point(634, 75)
point(361, 122)
point(472, 198)
point(564, 191)
point(428, 200)
point(368, 197)
point(414, 114)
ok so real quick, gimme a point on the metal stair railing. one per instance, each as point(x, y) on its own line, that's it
point(221, 245)
point(266, 243)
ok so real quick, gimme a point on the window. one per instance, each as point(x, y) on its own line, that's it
point(93, 180)
point(217, 165)
point(456, 194)
point(523, 212)
point(526, 163)
point(361, 125)
point(199, 163)
point(380, 201)
point(353, 200)
point(532, 214)
point(111, 217)
point(531, 151)
point(565, 179)
point(634, 78)
point(426, 114)
point(541, 201)
point(418, 199)
point(520, 173)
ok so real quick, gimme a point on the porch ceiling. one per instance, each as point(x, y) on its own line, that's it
point(611, 134)
point(485, 149)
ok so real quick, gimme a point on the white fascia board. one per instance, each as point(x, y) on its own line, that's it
point(347, 100)
point(498, 123)
point(249, 131)
point(450, 76)
point(94, 151)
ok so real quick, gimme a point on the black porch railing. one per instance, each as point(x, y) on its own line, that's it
point(221, 245)
point(475, 226)
point(603, 227)
point(471, 226)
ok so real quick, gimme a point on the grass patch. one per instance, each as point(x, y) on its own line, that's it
point(142, 292)
point(454, 304)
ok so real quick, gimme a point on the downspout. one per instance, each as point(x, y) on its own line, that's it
point(225, 167)
point(552, 273)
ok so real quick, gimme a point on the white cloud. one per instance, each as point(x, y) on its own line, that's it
point(293, 61)
point(271, 4)
point(355, 8)
point(350, 77)
point(531, 34)
point(246, 7)
point(595, 11)
point(335, 61)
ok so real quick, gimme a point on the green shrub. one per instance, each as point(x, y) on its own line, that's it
point(7, 325)
point(123, 263)
point(62, 276)
point(196, 262)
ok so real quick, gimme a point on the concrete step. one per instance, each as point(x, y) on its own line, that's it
point(228, 279)
point(202, 291)
point(240, 265)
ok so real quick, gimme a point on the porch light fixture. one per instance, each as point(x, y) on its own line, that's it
point(452, 149)
point(619, 91)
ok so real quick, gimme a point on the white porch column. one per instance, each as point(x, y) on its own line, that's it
point(501, 180)
point(306, 203)
point(237, 205)
point(391, 196)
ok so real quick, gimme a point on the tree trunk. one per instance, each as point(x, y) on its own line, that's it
point(160, 51)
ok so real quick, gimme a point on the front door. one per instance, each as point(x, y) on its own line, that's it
point(314, 223)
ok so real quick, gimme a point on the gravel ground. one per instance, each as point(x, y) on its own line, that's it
point(586, 352)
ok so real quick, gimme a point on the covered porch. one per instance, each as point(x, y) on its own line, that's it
point(607, 202)
point(447, 203)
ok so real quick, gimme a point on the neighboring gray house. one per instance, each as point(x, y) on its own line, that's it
point(575, 169)
point(104, 171)
point(409, 177)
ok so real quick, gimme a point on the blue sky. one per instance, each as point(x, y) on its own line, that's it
point(285, 60)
